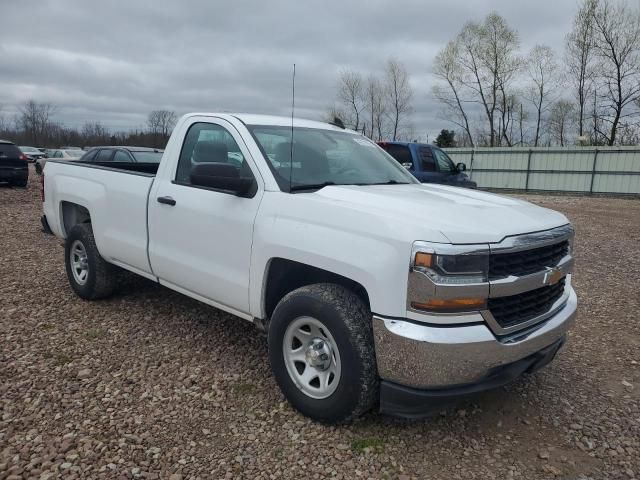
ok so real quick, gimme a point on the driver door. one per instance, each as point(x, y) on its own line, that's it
point(199, 237)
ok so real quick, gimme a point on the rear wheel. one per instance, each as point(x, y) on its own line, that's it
point(90, 276)
point(322, 353)
point(21, 182)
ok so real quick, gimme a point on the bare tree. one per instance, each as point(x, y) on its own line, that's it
point(375, 107)
point(579, 57)
point(542, 71)
point(447, 69)
point(399, 96)
point(508, 108)
point(161, 122)
point(523, 116)
point(332, 113)
point(617, 47)
point(3, 122)
point(352, 96)
point(488, 57)
point(94, 133)
point(561, 117)
point(34, 119)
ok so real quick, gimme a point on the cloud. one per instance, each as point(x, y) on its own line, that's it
point(115, 61)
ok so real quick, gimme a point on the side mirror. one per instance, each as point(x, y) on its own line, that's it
point(461, 167)
point(221, 176)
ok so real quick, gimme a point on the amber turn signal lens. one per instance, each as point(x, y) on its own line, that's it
point(423, 260)
point(450, 304)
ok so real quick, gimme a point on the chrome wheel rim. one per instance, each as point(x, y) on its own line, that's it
point(79, 262)
point(312, 357)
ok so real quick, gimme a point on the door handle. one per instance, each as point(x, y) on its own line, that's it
point(166, 200)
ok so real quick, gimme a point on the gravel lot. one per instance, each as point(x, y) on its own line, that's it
point(150, 384)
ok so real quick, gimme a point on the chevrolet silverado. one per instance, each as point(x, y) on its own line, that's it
point(375, 291)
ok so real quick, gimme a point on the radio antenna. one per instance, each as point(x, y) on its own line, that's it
point(293, 107)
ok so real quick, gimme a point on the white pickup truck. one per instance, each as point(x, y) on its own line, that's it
point(374, 290)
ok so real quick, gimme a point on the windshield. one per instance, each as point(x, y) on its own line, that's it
point(29, 150)
point(147, 157)
point(325, 157)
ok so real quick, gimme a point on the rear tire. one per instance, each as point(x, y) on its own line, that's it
point(335, 316)
point(90, 276)
point(22, 183)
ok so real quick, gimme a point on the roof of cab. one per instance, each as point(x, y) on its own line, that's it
point(275, 120)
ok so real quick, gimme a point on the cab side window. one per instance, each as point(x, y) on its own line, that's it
point(209, 143)
point(401, 153)
point(426, 159)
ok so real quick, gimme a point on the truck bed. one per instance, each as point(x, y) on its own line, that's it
point(141, 168)
point(116, 194)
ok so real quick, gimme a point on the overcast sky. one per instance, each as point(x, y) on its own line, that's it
point(114, 61)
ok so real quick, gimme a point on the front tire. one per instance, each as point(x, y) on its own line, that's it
point(322, 353)
point(90, 276)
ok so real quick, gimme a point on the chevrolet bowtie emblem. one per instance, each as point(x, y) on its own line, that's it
point(553, 276)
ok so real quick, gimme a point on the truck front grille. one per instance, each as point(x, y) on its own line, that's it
point(526, 262)
point(515, 309)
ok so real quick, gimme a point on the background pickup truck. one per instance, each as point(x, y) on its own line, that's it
point(428, 163)
point(375, 290)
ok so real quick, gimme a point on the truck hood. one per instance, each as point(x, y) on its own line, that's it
point(461, 215)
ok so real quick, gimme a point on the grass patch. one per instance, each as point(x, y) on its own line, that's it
point(59, 359)
point(94, 333)
point(244, 388)
point(371, 444)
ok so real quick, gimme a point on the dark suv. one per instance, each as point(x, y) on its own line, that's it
point(428, 163)
point(14, 165)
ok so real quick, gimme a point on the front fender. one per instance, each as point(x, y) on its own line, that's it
point(350, 243)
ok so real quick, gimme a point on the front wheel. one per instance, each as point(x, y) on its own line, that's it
point(90, 276)
point(322, 353)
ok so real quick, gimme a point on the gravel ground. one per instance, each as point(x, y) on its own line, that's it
point(150, 384)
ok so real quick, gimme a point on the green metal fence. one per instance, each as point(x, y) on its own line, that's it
point(614, 170)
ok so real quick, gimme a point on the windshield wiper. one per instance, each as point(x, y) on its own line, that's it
point(310, 186)
point(388, 182)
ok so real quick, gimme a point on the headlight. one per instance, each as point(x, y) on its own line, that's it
point(571, 241)
point(453, 269)
point(448, 278)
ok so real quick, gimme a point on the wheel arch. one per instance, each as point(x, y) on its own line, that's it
point(73, 214)
point(283, 276)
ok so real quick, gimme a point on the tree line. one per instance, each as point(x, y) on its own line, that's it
point(496, 95)
point(487, 88)
point(378, 106)
point(35, 125)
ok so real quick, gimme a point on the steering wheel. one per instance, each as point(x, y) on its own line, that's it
point(345, 170)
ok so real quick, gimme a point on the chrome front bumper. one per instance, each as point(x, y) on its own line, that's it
point(431, 355)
